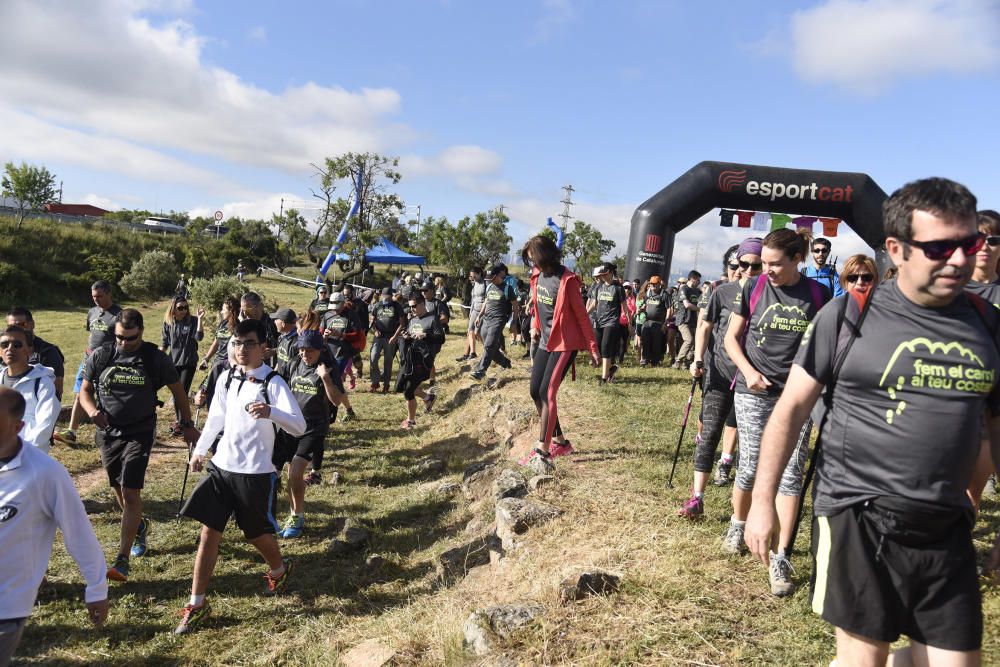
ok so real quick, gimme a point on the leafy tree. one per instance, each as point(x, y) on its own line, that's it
point(211, 292)
point(586, 245)
point(291, 234)
point(30, 187)
point(479, 240)
point(153, 275)
point(547, 232)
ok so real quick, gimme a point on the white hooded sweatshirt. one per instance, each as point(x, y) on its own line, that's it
point(42, 410)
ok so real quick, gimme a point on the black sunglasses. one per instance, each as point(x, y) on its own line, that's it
point(127, 339)
point(181, 308)
point(993, 241)
point(942, 250)
point(756, 266)
point(733, 266)
point(16, 344)
point(864, 278)
point(822, 249)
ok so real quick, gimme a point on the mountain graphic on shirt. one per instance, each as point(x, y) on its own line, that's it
point(796, 320)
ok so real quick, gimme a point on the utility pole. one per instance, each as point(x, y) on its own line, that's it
point(696, 253)
point(281, 211)
point(566, 201)
point(500, 208)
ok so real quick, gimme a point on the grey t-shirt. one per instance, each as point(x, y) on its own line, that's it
point(387, 317)
point(10, 380)
point(609, 299)
point(546, 291)
point(222, 334)
point(309, 392)
point(656, 307)
point(338, 324)
point(497, 304)
point(908, 402)
point(478, 296)
point(989, 291)
point(683, 316)
point(776, 327)
point(718, 310)
point(101, 325)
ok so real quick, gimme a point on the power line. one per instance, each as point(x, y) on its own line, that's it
point(566, 201)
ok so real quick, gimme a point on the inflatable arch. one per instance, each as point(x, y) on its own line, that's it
point(854, 198)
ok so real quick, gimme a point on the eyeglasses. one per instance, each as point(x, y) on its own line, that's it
point(941, 250)
point(245, 343)
point(16, 344)
point(821, 249)
point(863, 278)
point(23, 324)
point(127, 339)
point(756, 266)
point(733, 266)
point(993, 241)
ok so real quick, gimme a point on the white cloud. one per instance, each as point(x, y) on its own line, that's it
point(867, 46)
point(258, 206)
point(257, 34)
point(100, 202)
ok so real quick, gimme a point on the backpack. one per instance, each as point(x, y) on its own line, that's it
point(266, 382)
point(104, 357)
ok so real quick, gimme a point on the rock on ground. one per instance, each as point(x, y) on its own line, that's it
point(477, 480)
point(539, 481)
point(509, 484)
point(516, 515)
point(585, 584)
point(369, 653)
point(485, 626)
point(349, 538)
point(455, 563)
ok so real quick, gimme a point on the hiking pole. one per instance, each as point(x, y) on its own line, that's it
point(187, 466)
point(687, 411)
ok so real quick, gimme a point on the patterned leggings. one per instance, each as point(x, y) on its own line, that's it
point(752, 413)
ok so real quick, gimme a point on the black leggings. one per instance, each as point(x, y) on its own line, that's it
point(187, 377)
point(547, 372)
point(717, 405)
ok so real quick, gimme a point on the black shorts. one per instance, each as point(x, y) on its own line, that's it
point(221, 494)
point(408, 384)
point(286, 446)
point(607, 340)
point(125, 458)
point(876, 577)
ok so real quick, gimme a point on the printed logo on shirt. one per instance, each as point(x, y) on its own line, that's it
point(543, 295)
point(7, 513)
point(125, 376)
point(98, 325)
point(303, 385)
point(779, 317)
point(921, 363)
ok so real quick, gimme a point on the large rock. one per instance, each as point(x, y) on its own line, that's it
point(585, 584)
point(477, 480)
point(350, 538)
point(455, 563)
point(485, 626)
point(516, 515)
point(448, 489)
point(430, 466)
point(370, 653)
point(509, 484)
point(539, 481)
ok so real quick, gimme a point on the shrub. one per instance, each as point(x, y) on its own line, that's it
point(211, 292)
point(152, 276)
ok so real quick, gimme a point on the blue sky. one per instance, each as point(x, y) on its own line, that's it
point(200, 106)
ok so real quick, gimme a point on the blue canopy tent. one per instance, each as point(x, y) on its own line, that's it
point(385, 252)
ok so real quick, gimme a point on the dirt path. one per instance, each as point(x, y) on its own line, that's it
point(163, 450)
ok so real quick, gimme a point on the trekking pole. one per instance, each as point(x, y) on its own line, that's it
point(187, 466)
point(680, 439)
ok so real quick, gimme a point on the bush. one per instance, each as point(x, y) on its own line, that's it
point(152, 276)
point(211, 292)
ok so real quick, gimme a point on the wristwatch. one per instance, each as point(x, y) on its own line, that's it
point(187, 423)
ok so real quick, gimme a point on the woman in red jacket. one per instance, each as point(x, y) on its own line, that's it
point(560, 328)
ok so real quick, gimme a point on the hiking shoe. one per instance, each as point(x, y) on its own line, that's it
point(349, 416)
point(191, 617)
point(990, 490)
point(139, 545)
point(476, 375)
point(429, 402)
point(119, 571)
point(563, 448)
point(407, 424)
point(473, 355)
point(780, 573)
point(374, 388)
point(464, 357)
point(294, 527)
point(694, 508)
point(733, 542)
point(313, 478)
point(65, 436)
point(276, 585)
point(611, 372)
point(722, 474)
point(385, 389)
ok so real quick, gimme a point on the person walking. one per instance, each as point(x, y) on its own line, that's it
point(181, 335)
point(37, 496)
point(228, 317)
point(499, 306)
point(686, 318)
point(34, 383)
point(655, 305)
point(822, 272)
point(606, 305)
point(476, 299)
point(285, 322)
point(42, 352)
point(424, 335)
point(248, 408)
point(386, 325)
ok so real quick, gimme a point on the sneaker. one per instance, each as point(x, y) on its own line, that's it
point(611, 372)
point(313, 478)
point(349, 416)
point(374, 388)
point(990, 490)
point(65, 436)
point(429, 402)
point(294, 527)
point(119, 571)
point(733, 542)
point(694, 508)
point(563, 448)
point(175, 429)
point(780, 573)
point(464, 357)
point(191, 617)
point(473, 355)
point(276, 585)
point(385, 389)
point(476, 375)
point(722, 474)
point(353, 382)
point(407, 424)
point(139, 545)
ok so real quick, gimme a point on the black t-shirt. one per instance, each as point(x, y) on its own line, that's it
point(717, 312)
point(497, 304)
point(609, 299)
point(47, 354)
point(908, 402)
point(222, 334)
point(388, 317)
point(989, 291)
point(101, 325)
point(319, 306)
point(309, 392)
point(656, 307)
point(361, 313)
point(287, 351)
point(339, 324)
point(431, 326)
point(546, 293)
point(127, 387)
point(682, 315)
point(181, 339)
point(776, 327)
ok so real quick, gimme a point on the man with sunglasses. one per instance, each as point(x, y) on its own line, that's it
point(820, 270)
point(120, 383)
point(42, 351)
point(34, 383)
point(892, 533)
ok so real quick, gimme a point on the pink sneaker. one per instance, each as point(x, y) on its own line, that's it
point(563, 448)
point(408, 424)
point(694, 508)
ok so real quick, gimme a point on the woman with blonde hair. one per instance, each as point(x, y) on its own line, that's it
point(181, 333)
point(859, 274)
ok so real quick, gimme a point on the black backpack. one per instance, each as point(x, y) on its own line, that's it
point(104, 359)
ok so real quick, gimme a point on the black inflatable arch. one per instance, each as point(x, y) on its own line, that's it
point(854, 198)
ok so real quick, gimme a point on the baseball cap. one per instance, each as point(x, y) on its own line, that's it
point(386, 291)
point(426, 286)
point(337, 297)
point(494, 270)
point(599, 271)
point(655, 280)
point(286, 315)
point(310, 338)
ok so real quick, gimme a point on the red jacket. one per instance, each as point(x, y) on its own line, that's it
point(571, 327)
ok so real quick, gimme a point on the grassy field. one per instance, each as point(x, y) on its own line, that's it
point(681, 601)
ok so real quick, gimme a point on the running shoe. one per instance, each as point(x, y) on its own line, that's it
point(294, 527)
point(473, 355)
point(733, 542)
point(119, 571)
point(476, 375)
point(464, 357)
point(407, 424)
point(374, 388)
point(349, 416)
point(313, 478)
point(277, 585)
point(722, 474)
point(353, 383)
point(429, 402)
point(611, 372)
point(563, 448)
point(139, 545)
point(694, 508)
point(192, 617)
point(66, 436)
point(385, 389)
point(780, 574)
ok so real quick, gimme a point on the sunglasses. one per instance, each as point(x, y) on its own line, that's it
point(993, 241)
point(821, 249)
point(942, 250)
point(181, 308)
point(16, 344)
point(127, 339)
point(863, 278)
point(756, 266)
point(733, 266)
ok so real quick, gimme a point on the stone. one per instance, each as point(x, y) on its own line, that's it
point(369, 653)
point(509, 484)
point(448, 489)
point(494, 409)
point(585, 584)
point(539, 481)
point(485, 626)
point(474, 526)
point(430, 465)
point(516, 515)
point(350, 539)
point(455, 563)
point(333, 479)
point(375, 562)
point(477, 480)
point(539, 466)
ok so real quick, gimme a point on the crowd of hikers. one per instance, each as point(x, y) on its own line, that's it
point(895, 374)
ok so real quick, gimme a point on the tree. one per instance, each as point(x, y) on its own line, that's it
point(291, 233)
point(586, 245)
point(479, 240)
point(30, 187)
point(153, 275)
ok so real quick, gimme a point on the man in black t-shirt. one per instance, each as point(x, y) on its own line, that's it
point(606, 302)
point(686, 317)
point(424, 335)
point(284, 321)
point(386, 325)
point(43, 352)
point(892, 532)
point(499, 303)
point(119, 393)
point(322, 300)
